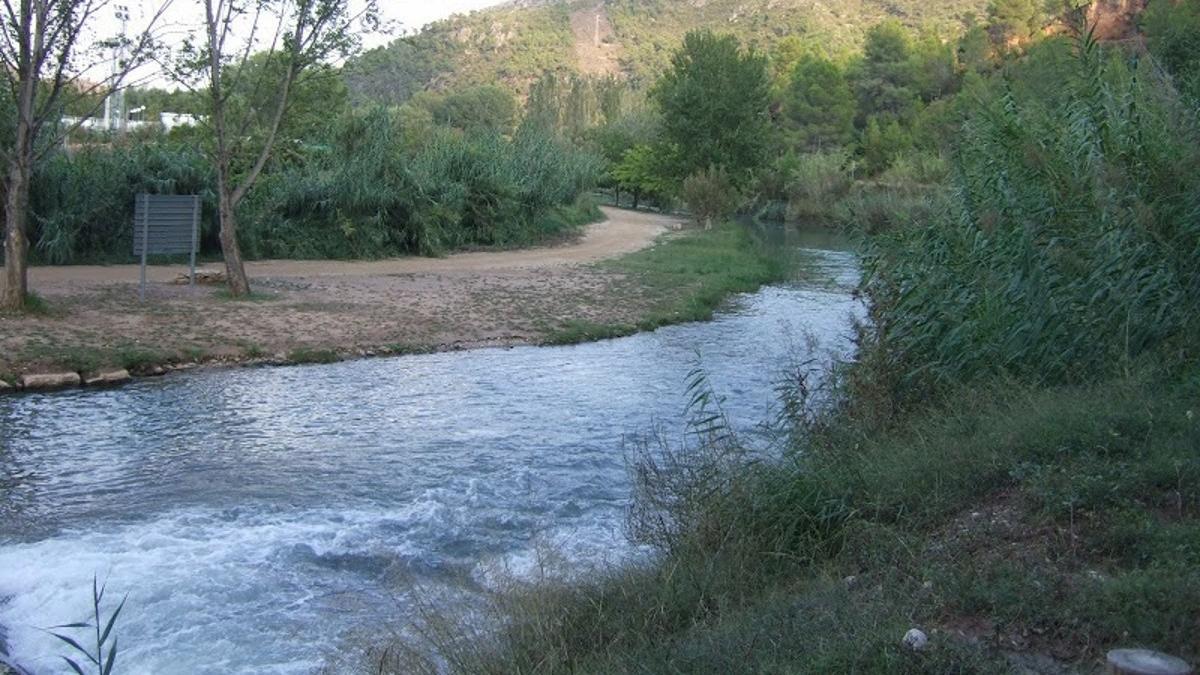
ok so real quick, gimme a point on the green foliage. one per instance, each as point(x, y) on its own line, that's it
point(369, 196)
point(482, 108)
point(816, 181)
point(886, 80)
point(710, 195)
point(1068, 251)
point(1015, 20)
point(883, 143)
point(714, 103)
point(818, 104)
point(643, 170)
point(1173, 35)
point(82, 201)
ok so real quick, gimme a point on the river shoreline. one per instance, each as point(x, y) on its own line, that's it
point(549, 296)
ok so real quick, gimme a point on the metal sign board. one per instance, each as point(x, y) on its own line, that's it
point(166, 225)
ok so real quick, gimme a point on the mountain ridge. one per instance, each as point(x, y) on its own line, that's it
point(516, 42)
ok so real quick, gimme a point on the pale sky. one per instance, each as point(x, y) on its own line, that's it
point(185, 16)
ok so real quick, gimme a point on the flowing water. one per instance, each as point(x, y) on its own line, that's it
point(257, 517)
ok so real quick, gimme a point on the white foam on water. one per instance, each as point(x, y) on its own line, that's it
point(209, 593)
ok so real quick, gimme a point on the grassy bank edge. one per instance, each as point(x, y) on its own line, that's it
point(691, 275)
point(1023, 529)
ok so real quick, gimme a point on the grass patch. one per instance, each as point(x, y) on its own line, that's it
point(35, 305)
point(687, 275)
point(308, 355)
point(138, 359)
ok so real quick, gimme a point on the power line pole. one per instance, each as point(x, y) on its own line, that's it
point(114, 104)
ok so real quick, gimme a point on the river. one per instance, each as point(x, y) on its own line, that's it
point(259, 517)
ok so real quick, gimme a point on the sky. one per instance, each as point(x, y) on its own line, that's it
point(184, 16)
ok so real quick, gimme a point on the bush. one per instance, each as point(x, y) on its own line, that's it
point(373, 193)
point(710, 195)
point(816, 181)
point(82, 201)
point(1068, 251)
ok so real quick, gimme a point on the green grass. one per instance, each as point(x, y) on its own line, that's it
point(1010, 523)
point(310, 355)
point(83, 359)
point(689, 274)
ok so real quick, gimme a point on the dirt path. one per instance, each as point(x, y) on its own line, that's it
point(622, 232)
point(313, 309)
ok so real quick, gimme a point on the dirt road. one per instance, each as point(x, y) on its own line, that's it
point(463, 300)
point(622, 232)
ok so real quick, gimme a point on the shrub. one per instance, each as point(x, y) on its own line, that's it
point(376, 192)
point(710, 195)
point(816, 181)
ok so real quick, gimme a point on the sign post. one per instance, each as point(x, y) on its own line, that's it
point(166, 224)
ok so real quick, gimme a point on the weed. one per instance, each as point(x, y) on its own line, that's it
point(100, 659)
point(309, 355)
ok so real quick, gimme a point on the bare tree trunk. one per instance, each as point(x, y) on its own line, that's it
point(16, 242)
point(235, 270)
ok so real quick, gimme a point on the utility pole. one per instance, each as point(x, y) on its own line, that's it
point(114, 104)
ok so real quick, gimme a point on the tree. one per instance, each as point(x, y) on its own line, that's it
point(40, 54)
point(248, 94)
point(486, 107)
point(885, 83)
point(1014, 20)
point(715, 101)
point(642, 171)
point(818, 103)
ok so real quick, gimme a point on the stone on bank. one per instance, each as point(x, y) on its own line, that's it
point(108, 378)
point(50, 380)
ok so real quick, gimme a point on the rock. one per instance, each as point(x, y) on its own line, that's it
point(915, 639)
point(155, 371)
point(50, 380)
point(208, 277)
point(1145, 662)
point(4, 386)
point(107, 378)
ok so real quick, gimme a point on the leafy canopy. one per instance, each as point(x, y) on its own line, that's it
point(714, 101)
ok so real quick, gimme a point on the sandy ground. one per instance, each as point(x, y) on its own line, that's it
point(464, 300)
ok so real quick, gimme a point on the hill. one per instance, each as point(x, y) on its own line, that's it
point(516, 42)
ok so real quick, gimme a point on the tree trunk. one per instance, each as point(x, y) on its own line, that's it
point(636, 195)
point(16, 243)
point(235, 271)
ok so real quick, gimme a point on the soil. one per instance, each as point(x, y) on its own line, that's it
point(347, 308)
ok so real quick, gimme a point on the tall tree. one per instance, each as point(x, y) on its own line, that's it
point(714, 101)
point(45, 63)
point(886, 82)
point(248, 64)
point(818, 103)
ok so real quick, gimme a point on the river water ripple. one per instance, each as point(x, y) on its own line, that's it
point(257, 516)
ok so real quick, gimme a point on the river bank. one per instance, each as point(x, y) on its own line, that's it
point(634, 271)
